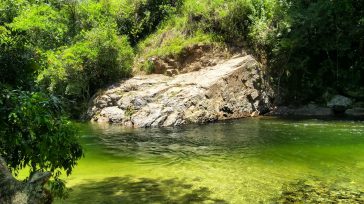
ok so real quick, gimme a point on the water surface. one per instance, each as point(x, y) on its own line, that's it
point(244, 161)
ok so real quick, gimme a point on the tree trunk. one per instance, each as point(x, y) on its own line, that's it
point(32, 191)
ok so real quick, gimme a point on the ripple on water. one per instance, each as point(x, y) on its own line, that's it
point(242, 161)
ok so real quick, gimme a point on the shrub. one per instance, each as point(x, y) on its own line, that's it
point(43, 26)
point(234, 23)
point(9, 9)
point(17, 61)
point(78, 71)
point(138, 19)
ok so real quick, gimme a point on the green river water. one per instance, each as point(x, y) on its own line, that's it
point(259, 160)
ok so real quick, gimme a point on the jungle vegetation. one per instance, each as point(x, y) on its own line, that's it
point(55, 54)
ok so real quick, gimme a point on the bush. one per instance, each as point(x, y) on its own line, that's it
point(138, 19)
point(88, 14)
point(234, 23)
point(17, 61)
point(9, 9)
point(78, 71)
point(43, 26)
point(322, 52)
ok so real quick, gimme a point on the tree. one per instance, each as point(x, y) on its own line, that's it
point(34, 134)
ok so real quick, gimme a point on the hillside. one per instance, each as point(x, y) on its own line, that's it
point(311, 50)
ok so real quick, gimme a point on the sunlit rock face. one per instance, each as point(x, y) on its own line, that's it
point(234, 88)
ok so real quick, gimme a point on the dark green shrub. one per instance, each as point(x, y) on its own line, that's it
point(140, 18)
point(323, 52)
point(235, 22)
point(17, 61)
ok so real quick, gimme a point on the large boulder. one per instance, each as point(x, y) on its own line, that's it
point(234, 88)
point(339, 104)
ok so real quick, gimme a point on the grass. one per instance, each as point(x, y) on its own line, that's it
point(175, 34)
point(211, 22)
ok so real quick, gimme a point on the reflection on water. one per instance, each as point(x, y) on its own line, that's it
point(243, 161)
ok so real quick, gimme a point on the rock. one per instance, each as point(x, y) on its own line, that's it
point(139, 102)
point(148, 117)
point(111, 114)
point(114, 97)
point(339, 103)
point(231, 89)
point(307, 110)
point(171, 72)
point(319, 191)
point(356, 112)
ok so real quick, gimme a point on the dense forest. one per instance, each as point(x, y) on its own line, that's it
point(56, 54)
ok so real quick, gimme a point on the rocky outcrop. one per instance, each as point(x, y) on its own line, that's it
point(234, 88)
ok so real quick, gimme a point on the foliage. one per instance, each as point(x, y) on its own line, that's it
point(322, 52)
point(79, 70)
point(10, 9)
point(34, 134)
point(17, 61)
point(234, 23)
point(137, 19)
point(44, 26)
point(310, 47)
point(86, 15)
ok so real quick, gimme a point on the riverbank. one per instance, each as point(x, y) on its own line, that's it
point(312, 110)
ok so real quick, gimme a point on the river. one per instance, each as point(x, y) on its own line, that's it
point(255, 160)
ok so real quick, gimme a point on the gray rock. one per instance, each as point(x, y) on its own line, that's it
point(148, 117)
point(357, 112)
point(231, 89)
point(339, 103)
point(114, 97)
point(139, 102)
point(111, 114)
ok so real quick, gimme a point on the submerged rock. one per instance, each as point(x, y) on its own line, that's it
point(232, 89)
point(318, 191)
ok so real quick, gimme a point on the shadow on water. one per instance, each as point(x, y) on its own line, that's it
point(140, 190)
